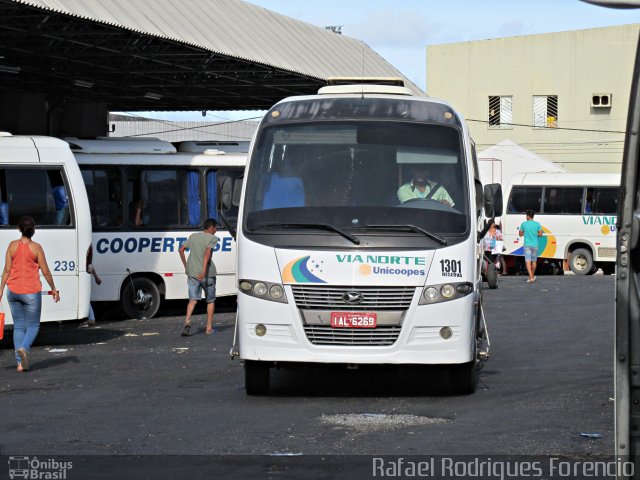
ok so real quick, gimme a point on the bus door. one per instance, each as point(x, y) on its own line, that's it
point(220, 186)
point(627, 348)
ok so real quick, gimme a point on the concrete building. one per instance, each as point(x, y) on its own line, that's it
point(561, 95)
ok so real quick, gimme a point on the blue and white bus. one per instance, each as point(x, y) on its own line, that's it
point(146, 200)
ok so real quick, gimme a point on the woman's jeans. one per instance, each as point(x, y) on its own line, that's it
point(25, 310)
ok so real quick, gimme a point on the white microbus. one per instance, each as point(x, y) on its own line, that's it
point(577, 212)
point(332, 267)
point(39, 177)
point(144, 206)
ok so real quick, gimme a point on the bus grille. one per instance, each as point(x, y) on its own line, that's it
point(380, 336)
point(375, 298)
point(607, 252)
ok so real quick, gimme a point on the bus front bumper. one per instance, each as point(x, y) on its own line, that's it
point(418, 340)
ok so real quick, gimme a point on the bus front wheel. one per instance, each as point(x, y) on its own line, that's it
point(140, 300)
point(462, 378)
point(492, 275)
point(581, 262)
point(256, 377)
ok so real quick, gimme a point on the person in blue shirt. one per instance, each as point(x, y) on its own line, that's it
point(531, 231)
point(61, 202)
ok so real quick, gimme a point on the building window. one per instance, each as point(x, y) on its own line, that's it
point(500, 112)
point(545, 111)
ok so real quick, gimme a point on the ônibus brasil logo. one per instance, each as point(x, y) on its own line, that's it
point(38, 469)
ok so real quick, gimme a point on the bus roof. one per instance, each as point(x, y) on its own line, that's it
point(24, 149)
point(176, 159)
point(201, 146)
point(333, 106)
point(364, 88)
point(577, 179)
point(120, 145)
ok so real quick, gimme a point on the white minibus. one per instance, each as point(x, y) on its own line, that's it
point(144, 206)
point(578, 213)
point(39, 177)
point(333, 267)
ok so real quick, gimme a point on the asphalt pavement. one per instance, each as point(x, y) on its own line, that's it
point(136, 387)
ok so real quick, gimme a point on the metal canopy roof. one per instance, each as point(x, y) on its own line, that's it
point(171, 54)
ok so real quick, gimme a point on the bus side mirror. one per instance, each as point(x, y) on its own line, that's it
point(237, 191)
point(492, 200)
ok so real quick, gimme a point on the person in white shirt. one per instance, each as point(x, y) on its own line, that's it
point(421, 187)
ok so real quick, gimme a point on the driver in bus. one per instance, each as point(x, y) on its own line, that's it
point(421, 187)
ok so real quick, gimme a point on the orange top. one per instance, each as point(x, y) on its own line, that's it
point(24, 276)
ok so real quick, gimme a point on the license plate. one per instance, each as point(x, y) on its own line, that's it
point(353, 320)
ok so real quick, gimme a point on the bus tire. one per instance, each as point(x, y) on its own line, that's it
point(581, 262)
point(256, 377)
point(146, 288)
point(462, 378)
point(492, 275)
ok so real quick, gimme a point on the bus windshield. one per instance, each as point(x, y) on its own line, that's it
point(359, 175)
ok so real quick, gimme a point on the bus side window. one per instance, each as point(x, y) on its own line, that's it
point(563, 200)
point(105, 196)
point(38, 193)
point(60, 198)
point(525, 198)
point(164, 198)
point(212, 194)
point(4, 205)
point(192, 178)
point(604, 200)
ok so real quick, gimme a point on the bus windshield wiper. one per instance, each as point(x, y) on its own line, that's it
point(325, 226)
point(440, 240)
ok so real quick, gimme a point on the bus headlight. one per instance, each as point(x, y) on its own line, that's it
point(445, 292)
point(276, 292)
point(260, 289)
point(265, 290)
point(430, 294)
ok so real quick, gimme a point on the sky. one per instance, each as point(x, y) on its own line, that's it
point(401, 30)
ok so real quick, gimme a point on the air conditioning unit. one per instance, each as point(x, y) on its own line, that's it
point(601, 100)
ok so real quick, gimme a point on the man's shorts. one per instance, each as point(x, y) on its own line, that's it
point(208, 284)
point(530, 254)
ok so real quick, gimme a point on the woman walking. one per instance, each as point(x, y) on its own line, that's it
point(23, 261)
